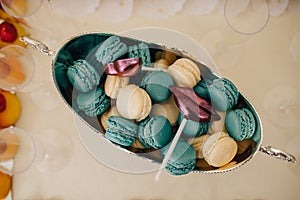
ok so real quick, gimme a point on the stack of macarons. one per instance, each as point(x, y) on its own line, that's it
point(139, 112)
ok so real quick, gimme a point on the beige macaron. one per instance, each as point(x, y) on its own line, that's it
point(133, 102)
point(113, 111)
point(113, 84)
point(219, 149)
point(161, 64)
point(184, 72)
point(167, 109)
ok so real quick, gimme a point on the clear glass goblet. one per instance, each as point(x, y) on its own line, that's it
point(17, 67)
point(243, 18)
point(21, 8)
point(17, 150)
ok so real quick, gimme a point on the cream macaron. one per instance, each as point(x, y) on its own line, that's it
point(167, 109)
point(133, 102)
point(113, 84)
point(219, 149)
point(184, 72)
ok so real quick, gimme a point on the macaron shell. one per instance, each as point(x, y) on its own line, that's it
point(239, 125)
point(110, 50)
point(12, 110)
point(140, 51)
point(201, 89)
point(133, 102)
point(141, 127)
point(119, 137)
point(161, 64)
point(83, 76)
point(113, 84)
point(252, 123)
point(123, 125)
point(157, 85)
point(182, 160)
point(121, 130)
point(184, 72)
point(219, 149)
point(223, 94)
point(157, 132)
point(93, 103)
point(193, 128)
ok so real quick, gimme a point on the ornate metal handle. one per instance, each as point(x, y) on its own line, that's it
point(276, 153)
point(37, 45)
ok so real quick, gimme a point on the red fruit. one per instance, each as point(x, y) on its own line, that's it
point(2, 103)
point(8, 32)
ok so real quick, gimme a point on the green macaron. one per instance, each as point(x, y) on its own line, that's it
point(110, 50)
point(157, 132)
point(193, 128)
point(93, 103)
point(157, 84)
point(121, 130)
point(223, 94)
point(182, 160)
point(201, 89)
point(240, 124)
point(83, 76)
point(140, 51)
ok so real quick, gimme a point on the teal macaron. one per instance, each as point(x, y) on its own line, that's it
point(182, 160)
point(157, 132)
point(121, 130)
point(141, 127)
point(110, 50)
point(240, 124)
point(83, 76)
point(140, 51)
point(201, 89)
point(93, 103)
point(193, 128)
point(157, 84)
point(223, 94)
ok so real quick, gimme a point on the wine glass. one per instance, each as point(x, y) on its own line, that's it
point(21, 8)
point(16, 66)
point(244, 19)
point(49, 151)
point(17, 150)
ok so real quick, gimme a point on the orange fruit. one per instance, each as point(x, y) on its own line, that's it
point(10, 108)
point(5, 184)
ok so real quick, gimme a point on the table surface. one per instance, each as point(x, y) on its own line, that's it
point(264, 66)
